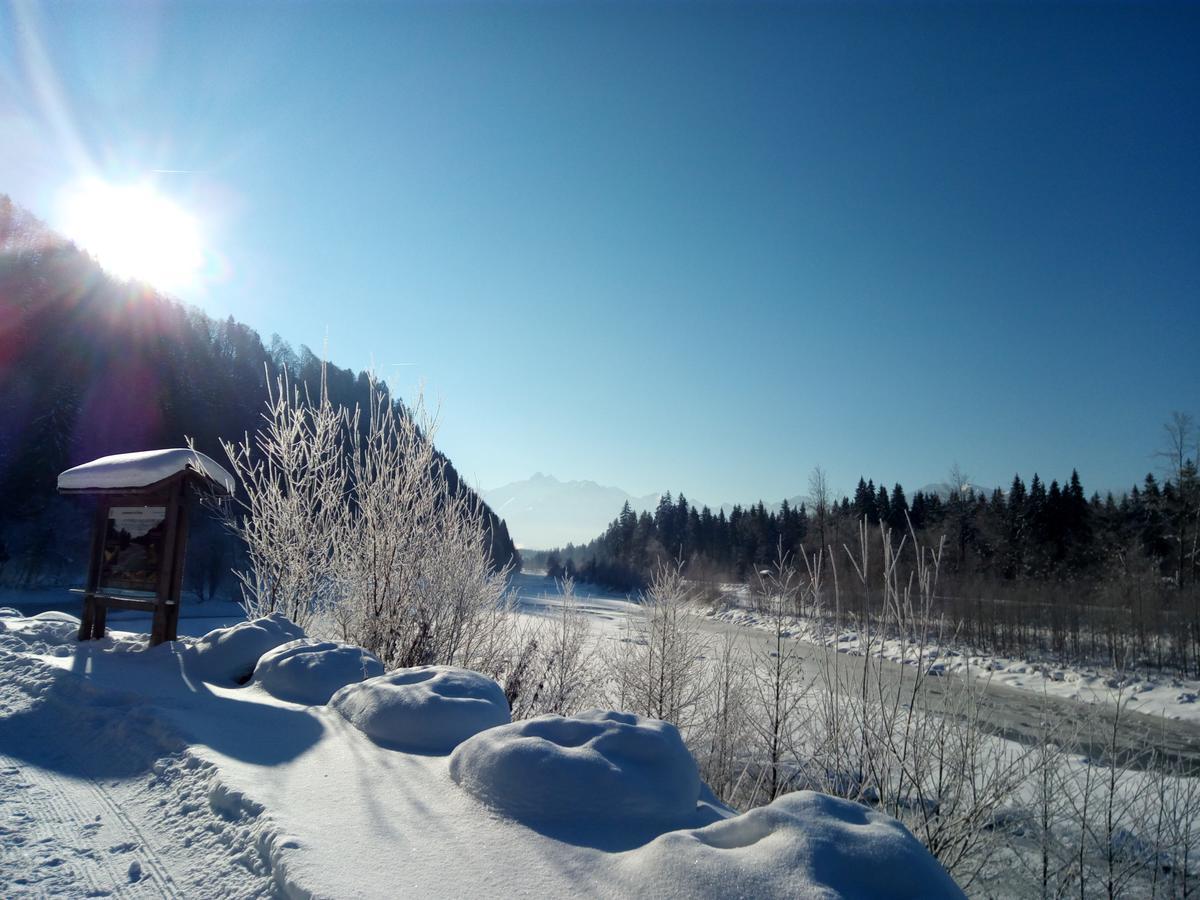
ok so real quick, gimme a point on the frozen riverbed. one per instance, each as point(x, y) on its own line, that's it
point(1017, 693)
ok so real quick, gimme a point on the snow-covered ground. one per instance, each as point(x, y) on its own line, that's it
point(129, 771)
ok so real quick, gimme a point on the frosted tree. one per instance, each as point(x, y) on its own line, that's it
point(569, 656)
point(352, 526)
point(820, 499)
point(778, 682)
point(658, 667)
point(556, 670)
point(721, 749)
point(418, 586)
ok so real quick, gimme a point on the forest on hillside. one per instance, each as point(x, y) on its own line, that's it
point(91, 366)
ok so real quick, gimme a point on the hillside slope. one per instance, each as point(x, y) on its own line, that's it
point(90, 366)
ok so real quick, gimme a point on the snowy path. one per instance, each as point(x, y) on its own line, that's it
point(98, 799)
point(68, 835)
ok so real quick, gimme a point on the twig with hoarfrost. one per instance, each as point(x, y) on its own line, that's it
point(293, 476)
point(657, 669)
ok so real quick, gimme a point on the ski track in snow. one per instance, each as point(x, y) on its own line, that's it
point(69, 828)
point(72, 837)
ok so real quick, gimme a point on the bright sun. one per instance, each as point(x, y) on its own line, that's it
point(135, 232)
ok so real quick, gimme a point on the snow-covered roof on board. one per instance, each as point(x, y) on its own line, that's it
point(136, 470)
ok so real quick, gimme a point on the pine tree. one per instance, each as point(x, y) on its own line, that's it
point(1016, 529)
point(898, 512)
point(883, 508)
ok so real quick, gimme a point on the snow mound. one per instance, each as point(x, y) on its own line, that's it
point(49, 634)
point(56, 634)
point(54, 615)
point(309, 672)
point(803, 844)
point(230, 654)
point(600, 766)
point(426, 709)
point(141, 469)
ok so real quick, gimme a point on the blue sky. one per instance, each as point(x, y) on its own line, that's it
point(675, 246)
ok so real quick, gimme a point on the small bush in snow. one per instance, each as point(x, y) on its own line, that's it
point(657, 668)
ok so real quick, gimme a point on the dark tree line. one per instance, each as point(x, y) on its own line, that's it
point(90, 366)
point(1029, 532)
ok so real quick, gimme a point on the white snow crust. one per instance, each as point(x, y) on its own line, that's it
point(599, 765)
point(425, 709)
point(230, 654)
point(140, 469)
point(310, 672)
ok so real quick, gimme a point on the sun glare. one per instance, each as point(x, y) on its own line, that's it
point(135, 232)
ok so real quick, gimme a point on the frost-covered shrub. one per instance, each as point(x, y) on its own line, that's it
point(657, 668)
point(831, 847)
point(311, 672)
point(426, 709)
point(230, 654)
point(599, 766)
point(353, 522)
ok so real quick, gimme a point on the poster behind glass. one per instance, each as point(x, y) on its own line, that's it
point(133, 549)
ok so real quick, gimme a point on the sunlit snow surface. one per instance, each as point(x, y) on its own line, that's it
point(127, 771)
point(310, 672)
point(425, 709)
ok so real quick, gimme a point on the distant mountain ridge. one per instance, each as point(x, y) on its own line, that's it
point(542, 512)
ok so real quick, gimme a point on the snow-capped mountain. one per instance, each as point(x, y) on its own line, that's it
point(542, 512)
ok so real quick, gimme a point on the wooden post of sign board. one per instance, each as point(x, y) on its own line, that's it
point(170, 572)
point(99, 524)
point(177, 557)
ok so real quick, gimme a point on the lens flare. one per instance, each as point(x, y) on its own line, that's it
point(135, 232)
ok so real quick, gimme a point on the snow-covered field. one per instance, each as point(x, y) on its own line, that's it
point(136, 772)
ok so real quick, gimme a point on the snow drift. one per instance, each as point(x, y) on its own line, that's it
point(426, 709)
point(803, 844)
point(230, 654)
point(310, 672)
point(603, 766)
